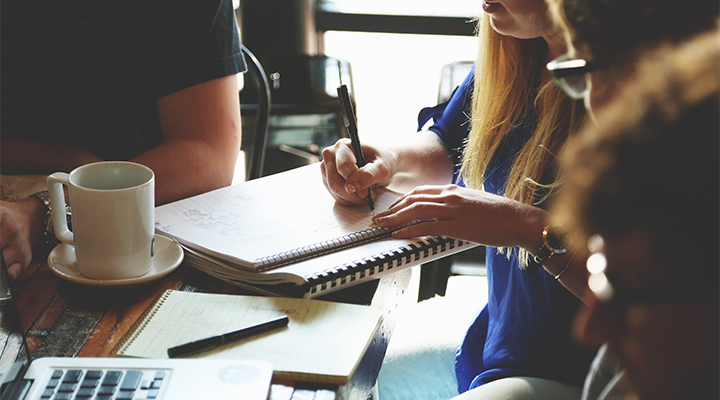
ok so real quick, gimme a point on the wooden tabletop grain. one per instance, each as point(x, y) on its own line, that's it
point(65, 319)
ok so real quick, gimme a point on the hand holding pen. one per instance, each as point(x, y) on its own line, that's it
point(350, 123)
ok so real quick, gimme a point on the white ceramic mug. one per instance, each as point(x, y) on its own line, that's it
point(113, 217)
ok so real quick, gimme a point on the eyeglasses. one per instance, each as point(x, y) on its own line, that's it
point(570, 74)
point(615, 297)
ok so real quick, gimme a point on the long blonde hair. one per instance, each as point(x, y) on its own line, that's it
point(507, 85)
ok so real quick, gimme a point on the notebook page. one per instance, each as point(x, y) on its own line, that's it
point(324, 341)
point(246, 222)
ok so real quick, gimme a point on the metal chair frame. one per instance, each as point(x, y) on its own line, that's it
point(256, 158)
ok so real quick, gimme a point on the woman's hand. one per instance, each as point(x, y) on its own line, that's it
point(466, 214)
point(347, 183)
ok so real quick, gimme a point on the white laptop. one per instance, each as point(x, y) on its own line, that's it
point(83, 378)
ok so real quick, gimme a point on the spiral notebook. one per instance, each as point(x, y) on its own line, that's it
point(323, 342)
point(23, 377)
point(284, 234)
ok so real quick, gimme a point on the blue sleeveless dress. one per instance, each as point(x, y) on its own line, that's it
point(525, 328)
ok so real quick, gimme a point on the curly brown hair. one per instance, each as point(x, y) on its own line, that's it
point(652, 161)
point(616, 32)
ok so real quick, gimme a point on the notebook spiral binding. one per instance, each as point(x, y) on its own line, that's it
point(140, 323)
point(385, 261)
point(326, 247)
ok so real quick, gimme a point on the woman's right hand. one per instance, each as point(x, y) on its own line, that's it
point(347, 183)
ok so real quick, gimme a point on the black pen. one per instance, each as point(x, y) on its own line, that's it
point(215, 341)
point(351, 126)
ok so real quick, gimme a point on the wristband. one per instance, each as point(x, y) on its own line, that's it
point(557, 277)
point(44, 196)
point(49, 232)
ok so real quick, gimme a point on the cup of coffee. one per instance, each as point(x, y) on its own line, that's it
point(113, 217)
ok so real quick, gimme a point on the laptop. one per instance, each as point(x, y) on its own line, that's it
point(84, 378)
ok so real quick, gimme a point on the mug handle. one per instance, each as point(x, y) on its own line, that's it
point(57, 201)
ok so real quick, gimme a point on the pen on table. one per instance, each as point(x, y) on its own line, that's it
point(351, 126)
point(215, 341)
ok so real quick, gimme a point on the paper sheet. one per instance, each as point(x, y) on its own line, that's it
point(324, 341)
point(260, 218)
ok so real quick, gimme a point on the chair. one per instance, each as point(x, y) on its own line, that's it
point(255, 160)
point(434, 275)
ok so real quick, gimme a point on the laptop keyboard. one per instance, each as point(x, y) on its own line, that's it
point(103, 384)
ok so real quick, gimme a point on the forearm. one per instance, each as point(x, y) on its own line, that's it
point(188, 166)
point(21, 156)
point(569, 265)
point(421, 160)
point(201, 140)
point(571, 268)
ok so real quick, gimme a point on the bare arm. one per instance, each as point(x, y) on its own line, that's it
point(201, 140)
point(21, 156)
point(484, 218)
point(422, 160)
point(408, 161)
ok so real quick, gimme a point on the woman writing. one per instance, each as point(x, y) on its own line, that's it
point(503, 160)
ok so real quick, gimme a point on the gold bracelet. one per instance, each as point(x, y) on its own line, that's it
point(557, 277)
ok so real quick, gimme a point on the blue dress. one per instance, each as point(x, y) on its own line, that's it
point(525, 328)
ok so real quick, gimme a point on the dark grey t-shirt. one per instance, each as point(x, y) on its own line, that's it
point(90, 72)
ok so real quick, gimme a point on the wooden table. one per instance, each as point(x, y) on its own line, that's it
point(64, 319)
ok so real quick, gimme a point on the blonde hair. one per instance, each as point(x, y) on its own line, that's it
point(508, 90)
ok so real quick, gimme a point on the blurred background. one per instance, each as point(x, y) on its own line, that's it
point(390, 53)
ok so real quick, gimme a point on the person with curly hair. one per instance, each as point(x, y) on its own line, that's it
point(642, 189)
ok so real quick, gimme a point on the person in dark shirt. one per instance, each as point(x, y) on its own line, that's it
point(642, 191)
point(150, 81)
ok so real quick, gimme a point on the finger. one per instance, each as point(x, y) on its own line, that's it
point(360, 190)
point(425, 228)
point(357, 180)
point(334, 182)
point(338, 199)
point(345, 161)
point(413, 212)
point(413, 199)
point(15, 259)
point(13, 272)
point(399, 204)
point(372, 174)
point(428, 190)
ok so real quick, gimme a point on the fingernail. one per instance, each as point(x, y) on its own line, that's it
point(349, 188)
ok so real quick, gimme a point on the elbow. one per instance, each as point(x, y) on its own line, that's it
point(226, 155)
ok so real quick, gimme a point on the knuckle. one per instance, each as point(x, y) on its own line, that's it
point(454, 197)
point(327, 153)
point(10, 231)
